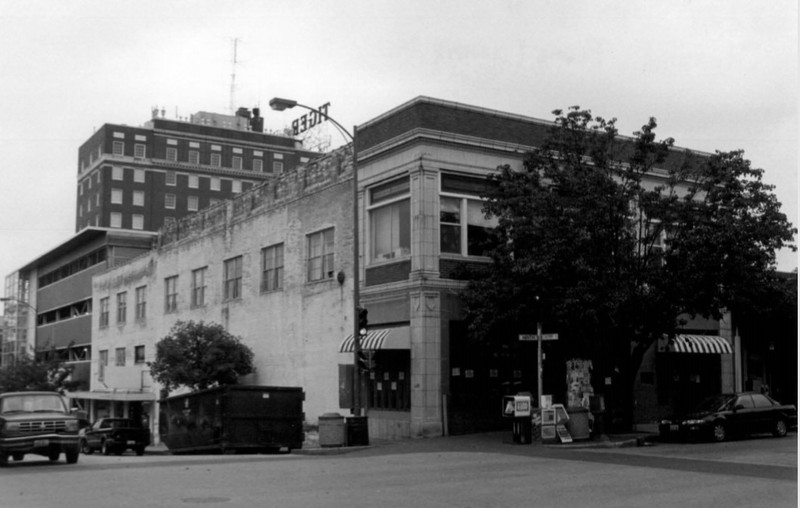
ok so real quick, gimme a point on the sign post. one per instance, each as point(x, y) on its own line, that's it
point(539, 337)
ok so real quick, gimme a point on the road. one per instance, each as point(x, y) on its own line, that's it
point(467, 471)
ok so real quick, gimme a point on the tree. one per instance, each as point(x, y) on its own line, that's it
point(200, 356)
point(619, 238)
point(36, 374)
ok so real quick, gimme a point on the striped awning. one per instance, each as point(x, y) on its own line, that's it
point(384, 338)
point(708, 344)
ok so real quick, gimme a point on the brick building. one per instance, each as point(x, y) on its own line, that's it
point(141, 178)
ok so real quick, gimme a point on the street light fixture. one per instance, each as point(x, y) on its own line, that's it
point(280, 104)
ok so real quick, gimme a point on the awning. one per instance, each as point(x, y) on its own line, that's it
point(116, 396)
point(384, 338)
point(709, 344)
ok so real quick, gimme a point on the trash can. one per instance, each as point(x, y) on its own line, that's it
point(357, 431)
point(578, 423)
point(331, 430)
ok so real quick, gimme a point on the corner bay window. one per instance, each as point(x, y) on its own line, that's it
point(320, 255)
point(463, 228)
point(390, 220)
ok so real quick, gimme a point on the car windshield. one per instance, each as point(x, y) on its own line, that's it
point(38, 403)
point(714, 403)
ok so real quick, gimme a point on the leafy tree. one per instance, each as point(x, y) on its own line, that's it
point(200, 356)
point(620, 238)
point(36, 374)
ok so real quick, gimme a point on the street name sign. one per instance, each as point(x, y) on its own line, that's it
point(532, 337)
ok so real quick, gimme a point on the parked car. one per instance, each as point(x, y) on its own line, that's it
point(114, 435)
point(37, 422)
point(736, 414)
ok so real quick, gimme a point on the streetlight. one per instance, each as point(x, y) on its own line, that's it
point(17, 301)
point(279, 104)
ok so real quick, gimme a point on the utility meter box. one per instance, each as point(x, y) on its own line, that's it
point(516, 406)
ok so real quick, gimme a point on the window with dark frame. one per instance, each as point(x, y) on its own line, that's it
point(171, 294)
point(138, 355)
point(232, 278)
point(141, 303)
point(272, 268)
point(199, 287)
point(320, 255)
point(104, 311)
point(122, 306)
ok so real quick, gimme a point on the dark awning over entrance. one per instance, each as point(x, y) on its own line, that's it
point(707, 344)
point(385, 338)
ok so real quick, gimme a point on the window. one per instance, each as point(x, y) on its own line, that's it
point(199, 287)
point(172, 154)
point(194, 157)
point(272, 268)
point(137, 221)
point(277, 167)
point(103, 312)
point(118, 148)
point(194, 181)
point(236, 163)
point(258, 165)
point(463, 229)
point(169, 201)
point(120, 356)
point(139, 151)
point(236, 186)
point(171, 178)
point(138, 354)
point(232, 278)
point(216, 159)
point(171, 294)
point(320, 255)
point(141, 302)
point(116, 174)
point(102, 364)
point(122, 306)
point(138, 175)
point(192, 203)
point(115, 220)
point(390, 220)
point(215, 183)
point(138, 198)
point(116, 196)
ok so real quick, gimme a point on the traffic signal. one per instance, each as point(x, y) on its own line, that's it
point(365, 362)
point(362, 321)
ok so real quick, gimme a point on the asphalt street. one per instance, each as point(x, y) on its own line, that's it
point(465, 471)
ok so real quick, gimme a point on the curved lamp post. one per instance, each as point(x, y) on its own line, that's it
point(279, 104)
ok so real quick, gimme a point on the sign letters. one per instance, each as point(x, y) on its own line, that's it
point(310, 119)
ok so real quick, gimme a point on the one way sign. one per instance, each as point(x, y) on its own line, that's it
point(532, 337)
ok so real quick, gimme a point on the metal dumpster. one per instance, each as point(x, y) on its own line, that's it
point(232, 419)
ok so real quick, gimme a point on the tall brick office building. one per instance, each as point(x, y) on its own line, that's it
point(141, 178)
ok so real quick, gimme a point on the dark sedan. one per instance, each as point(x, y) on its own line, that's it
point(722, 416)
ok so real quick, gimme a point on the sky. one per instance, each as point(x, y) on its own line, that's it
point(717, 75)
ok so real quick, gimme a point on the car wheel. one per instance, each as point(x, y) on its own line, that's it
point(779, 429)
point(72, 455)
point(85, 448)
point(53, 456)
point(104, 448)
point(3, 459)
point(140, 450)
point(18, 456)
point(719, 432)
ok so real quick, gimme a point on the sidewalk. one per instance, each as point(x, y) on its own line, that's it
point(642, 435)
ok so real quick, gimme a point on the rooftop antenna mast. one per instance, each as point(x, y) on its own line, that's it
point(232, 102)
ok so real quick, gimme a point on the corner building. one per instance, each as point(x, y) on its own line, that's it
point(274, 265)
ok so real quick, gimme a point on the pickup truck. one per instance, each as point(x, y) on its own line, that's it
point(114, 435)
point(40, 423)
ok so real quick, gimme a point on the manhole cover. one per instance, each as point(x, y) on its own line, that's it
point(206, 500)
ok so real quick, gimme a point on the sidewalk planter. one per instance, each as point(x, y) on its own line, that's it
point(331, 430)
